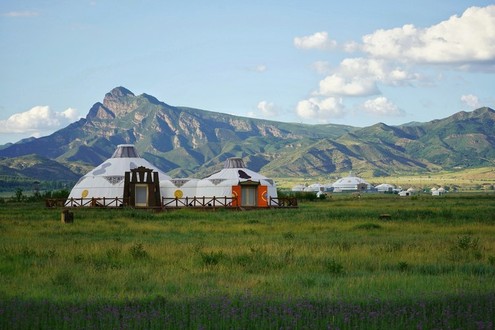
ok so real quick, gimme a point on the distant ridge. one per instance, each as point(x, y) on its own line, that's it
point(185, 141)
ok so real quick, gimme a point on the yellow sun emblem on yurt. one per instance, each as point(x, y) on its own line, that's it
point(178, 194)
point(84, 193)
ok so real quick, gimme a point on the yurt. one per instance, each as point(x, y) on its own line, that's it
point(350, 183)
point(299, 187)
point(385, 188)
point(235, 180)
point(315, 187)
point(437, 192)
point(409, 192)
point(107, 179)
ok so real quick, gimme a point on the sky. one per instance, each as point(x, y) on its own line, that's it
point(348, 62)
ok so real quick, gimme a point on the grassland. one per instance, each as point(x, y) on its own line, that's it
point(329, 264)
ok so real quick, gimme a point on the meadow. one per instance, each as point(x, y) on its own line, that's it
point(333, 263)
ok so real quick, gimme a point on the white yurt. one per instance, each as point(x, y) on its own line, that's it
point(299, 187)
point(315, 187)
point(385, 188)
point(107, 179)
point(437, 192)
point(409, 192)
point(235, 180)
point(350, 183)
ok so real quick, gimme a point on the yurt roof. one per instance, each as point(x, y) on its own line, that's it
point(235, 170)
point(385, 186)
point(350, 180)
point(107, 179)
point(124, 159)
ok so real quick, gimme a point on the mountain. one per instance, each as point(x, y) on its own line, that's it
point(192, 142)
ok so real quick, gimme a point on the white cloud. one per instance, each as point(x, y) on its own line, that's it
point(347, 86)
point(360, 76)
point(381, 106)
point(471, 101)
point(21, 14)
point(321, 67)
point(321, 110)
point(38, 120)
point(319, 40)
point(258, 68)
point(267, 109)
point(464, 39)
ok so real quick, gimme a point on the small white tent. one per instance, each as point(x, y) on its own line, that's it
point(107, 179)
point(235, 180)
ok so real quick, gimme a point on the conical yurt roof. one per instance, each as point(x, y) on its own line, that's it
point(107, 179)
point(235, 169)
point(349, 182)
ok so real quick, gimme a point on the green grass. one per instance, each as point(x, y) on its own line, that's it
point(431, 251)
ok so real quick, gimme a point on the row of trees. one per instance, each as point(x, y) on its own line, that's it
point(37, 196)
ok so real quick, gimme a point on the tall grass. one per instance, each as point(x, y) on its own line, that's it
point(337, 252)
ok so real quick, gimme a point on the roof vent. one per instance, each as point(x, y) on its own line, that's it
point(125, 151)
point(234, 162)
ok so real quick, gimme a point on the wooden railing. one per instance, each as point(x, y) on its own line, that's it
point(202, 202)
point(169, 203)
point(287, 202)
point(92, 202)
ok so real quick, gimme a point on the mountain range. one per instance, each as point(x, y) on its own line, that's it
point(188, 142)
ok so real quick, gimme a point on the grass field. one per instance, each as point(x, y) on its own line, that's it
point(329, 264)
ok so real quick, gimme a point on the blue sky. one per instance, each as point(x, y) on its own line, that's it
point(344, 62)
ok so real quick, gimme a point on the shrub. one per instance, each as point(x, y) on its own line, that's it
point(334, 267)
point(211, 258)
point(368, 226)
point(137, 251)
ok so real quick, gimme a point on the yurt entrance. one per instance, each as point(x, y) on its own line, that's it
point(142, 188)
point(250, 194)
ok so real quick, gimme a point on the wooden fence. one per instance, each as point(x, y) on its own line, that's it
point(169, 203)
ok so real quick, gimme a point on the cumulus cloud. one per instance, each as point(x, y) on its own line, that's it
point(381, 106)
point(359, 77)
point(471, 101)
point(267, 109)
point(336, 84)
point(38, 120)
point(321, 109)
point(464, 39)
point(319, 40)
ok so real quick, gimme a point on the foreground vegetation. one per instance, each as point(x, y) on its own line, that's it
point(333, 263)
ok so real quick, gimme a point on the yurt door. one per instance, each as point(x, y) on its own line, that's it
point(141, 195)
point(249, 196)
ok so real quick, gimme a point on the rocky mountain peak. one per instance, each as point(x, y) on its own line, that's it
point(98, 110)
point(120, 101)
